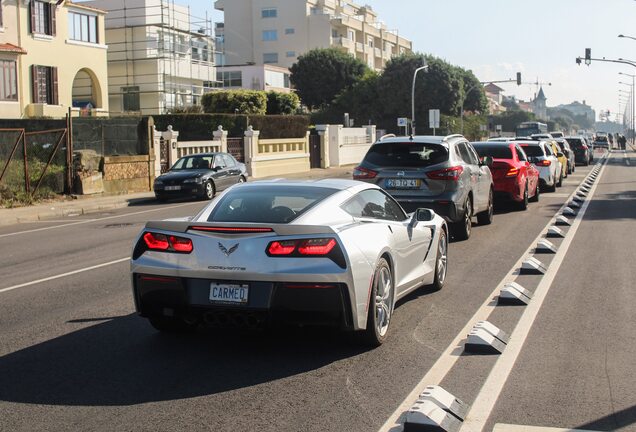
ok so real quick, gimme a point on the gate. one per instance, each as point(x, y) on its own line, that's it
point(31, 162)
point(164, 154)
point(236, 147)
point(314, 151)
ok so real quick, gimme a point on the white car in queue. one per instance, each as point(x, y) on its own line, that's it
point(333, 252)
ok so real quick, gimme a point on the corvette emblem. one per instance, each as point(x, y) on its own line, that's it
point(227, 252)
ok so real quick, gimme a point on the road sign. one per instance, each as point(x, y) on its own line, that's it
point(402, 122)
point(433, 118)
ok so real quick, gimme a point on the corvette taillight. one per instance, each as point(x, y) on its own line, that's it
point(307, 248)
point(162, 242)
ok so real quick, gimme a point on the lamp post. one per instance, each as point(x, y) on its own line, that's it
point(626, 37)
point(413, 97)
point(633, 116)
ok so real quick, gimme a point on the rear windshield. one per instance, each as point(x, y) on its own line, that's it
point(267, 203)
point(532, 150)
point(406, 154)
point(601, 138)
point(574, 142)
point(495, 151)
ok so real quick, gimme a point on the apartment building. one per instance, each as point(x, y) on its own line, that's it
point(160, 57)
point(52, 58)
point(253, 77)
point(279, 31)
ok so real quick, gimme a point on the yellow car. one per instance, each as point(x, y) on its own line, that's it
point(563, 160)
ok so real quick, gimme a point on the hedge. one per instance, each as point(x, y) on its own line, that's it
point(282, 103)
point(199, 127)
point(231, 101)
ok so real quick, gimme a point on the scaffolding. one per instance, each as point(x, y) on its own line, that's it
point(160, 56)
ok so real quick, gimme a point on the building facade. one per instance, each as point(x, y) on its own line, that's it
point(279, 31)
point(52, 59)
point(253, 77)
point(160, 57)
point(539, 106)
point(580, 109)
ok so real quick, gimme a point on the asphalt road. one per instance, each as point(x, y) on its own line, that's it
point(74, 356)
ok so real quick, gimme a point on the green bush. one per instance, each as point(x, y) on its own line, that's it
point(282, 103)
point(235, 101)
point(280, 126)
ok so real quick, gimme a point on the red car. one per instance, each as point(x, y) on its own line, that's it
point(514, 177)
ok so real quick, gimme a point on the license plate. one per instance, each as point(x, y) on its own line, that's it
point(229, 293)
point(403, 183)
point(173, 188)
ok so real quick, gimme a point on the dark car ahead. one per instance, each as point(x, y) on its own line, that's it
point(200, 176)
point(440, 173)
point(580, 148)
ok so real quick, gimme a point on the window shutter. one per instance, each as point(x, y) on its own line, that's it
point(35, 84)
point(1, 15)
point(32, 13)
point(52, 19)
point(54, 93)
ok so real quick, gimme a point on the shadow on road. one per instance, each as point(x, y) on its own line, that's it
point(615, 421)
point(124, 362)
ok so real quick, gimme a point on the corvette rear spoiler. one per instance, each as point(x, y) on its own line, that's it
point(238, 228)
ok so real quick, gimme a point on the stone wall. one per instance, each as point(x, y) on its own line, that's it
point(126, 174)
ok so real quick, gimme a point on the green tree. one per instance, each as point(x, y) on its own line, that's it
point(282, 103)
point(235, 101)
point(321, 74)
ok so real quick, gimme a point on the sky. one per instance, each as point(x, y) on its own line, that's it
point(497, 38)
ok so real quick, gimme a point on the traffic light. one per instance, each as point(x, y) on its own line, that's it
point(518, 78)
point(578, 61)
point(588, 56)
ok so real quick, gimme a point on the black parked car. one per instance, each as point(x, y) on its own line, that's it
point(582, 152)
point(200, 175)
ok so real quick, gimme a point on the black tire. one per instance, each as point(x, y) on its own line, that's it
point(209, 190)
point(463, 228)
point(560, 182)
point(441, 263)
point(170, 325)
point(242, 179)
point(485, 217)
point(160, 198)
point(537, 194)
point(523, 204)
point(380, 307)
point(553, 187)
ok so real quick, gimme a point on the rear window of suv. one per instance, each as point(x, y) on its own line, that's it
point(406, 154)
point(574, 142)
point(532, 150)
point(495, 151)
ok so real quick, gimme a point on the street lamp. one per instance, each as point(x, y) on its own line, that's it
point(413, 97)
point(627, 37)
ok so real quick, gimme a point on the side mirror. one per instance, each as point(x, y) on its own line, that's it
point(424, 215)
point(559, 154)
point(487, 160)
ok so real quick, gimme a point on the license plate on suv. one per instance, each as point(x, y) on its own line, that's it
point(229, 293)
point(403, 183)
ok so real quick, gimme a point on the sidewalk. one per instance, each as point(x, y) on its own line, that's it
point(90, 203)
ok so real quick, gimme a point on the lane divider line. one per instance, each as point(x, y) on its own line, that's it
point(452, 353)
point(59, 276)
point(87, 221)
point(489, 394)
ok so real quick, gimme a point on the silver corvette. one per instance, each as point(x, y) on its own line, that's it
point(336, 252)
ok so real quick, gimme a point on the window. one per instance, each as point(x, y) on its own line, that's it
point(286, 81)
point(131, 98)
point(351, 35)
point(493, 150)
point(289, 31)
point(270, 35)
point(474, 159)
point(520, 154)
point(42, 17)
point(219, 162)
point(1, 22)
point(374, 204)
point(229, 161)
point(270, 58)
point(269, 13)
point(8, 81)
point(229, 79)
point(462, 151)
point(406, 154)
point(44, 84)
point(82, 27)
point(291, 54)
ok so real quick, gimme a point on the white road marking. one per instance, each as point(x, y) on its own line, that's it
point(485, 401)
point(86, 221)
point(502, 427)
point(74, 272)
point(452, 353)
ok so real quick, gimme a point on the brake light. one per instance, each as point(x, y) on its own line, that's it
point(316, 246)
point(360, 173)
point(156, 241)
point(544, 162)
point(181, 244)
point(512, 172)
point(451, 173)
point(162, 242)
point(282, 248)
point(231, 230)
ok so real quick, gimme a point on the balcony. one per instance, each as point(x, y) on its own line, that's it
point(343, 42)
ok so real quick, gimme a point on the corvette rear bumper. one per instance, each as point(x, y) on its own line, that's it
point(268, 302)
